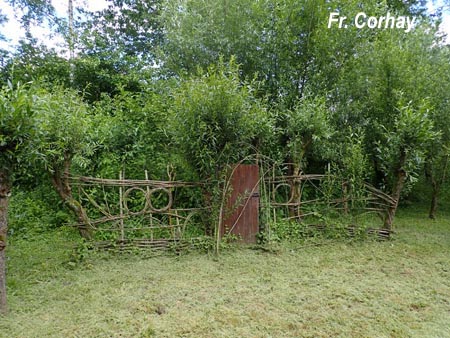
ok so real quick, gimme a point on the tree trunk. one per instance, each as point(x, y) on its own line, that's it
point(61, 183)
point(434, 199)
point(396, 191)
point(436, 175)
point(295, 211)
point(74, 206)
point(4, 197)
point(400, 182)
point(345, 194)
point(296, 170)
point(206, 214)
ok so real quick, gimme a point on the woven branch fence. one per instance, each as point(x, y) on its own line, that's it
point(125, 213)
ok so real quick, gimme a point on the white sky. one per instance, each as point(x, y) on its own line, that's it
point(445, 25)
point(12, 31)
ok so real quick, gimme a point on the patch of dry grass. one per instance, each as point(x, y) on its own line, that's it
point(399, 288)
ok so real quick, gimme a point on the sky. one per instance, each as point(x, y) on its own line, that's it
point(12, 31)
point(445, 26)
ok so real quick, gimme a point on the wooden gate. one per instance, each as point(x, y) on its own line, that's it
point(243, 204)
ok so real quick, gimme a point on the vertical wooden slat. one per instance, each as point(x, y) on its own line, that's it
point(122, 229)
point(244, 218)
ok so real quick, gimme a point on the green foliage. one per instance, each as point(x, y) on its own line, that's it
point(217, 120)
point(388, 92)
point(27, 215)
point(34, 212)
point(36, 63)
point(16, 126)
point(405, 144)
point(131, 127)
point(198, 33)
point(64, 127)
point(352, 169)
point(98, 76)
point(316, 228)
point(354, 159)
point(127, 30)
point(291, 88)
point(203, 244)
point(286, 44)
point(287, 231)
point(80, 253)
point(305, 125)
point(323, 225)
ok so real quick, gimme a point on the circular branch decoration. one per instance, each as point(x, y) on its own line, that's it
point(169, 199)
point(125, 201)
point(275, 191)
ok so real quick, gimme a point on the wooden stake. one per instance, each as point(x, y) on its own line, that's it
point(122, 230)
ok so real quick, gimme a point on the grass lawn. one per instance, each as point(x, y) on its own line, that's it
point(399, 288)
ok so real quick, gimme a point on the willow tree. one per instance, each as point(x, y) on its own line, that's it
point(403, 150)
point(217, 121)
point(305, 126)
point(437, 87)
point(16, 133)
point(64, 138)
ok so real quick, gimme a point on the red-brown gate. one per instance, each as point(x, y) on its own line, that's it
point(243, 204)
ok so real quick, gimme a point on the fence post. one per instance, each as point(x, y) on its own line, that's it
point(122, 230)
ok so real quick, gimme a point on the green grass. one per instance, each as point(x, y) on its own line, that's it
point(399, 288)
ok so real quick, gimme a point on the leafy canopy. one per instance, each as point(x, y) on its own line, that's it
point(16, 125)
point(217, 119)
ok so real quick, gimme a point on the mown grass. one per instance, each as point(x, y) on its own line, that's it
point(399, 288)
